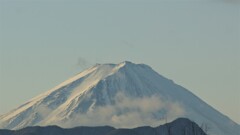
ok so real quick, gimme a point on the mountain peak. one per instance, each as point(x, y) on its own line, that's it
point(110, 68)
point(127, 63)
point(111, 94)
point(121, 64)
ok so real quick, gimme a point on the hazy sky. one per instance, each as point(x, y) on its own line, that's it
point(196, 44)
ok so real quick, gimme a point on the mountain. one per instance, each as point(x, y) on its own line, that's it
point(178, 127)
point(124, 95)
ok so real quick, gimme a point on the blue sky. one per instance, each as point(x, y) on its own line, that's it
point(195, 43)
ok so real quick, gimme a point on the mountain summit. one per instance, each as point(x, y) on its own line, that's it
point(120, 95)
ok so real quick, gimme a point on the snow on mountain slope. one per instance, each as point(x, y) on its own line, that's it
point(110, 94)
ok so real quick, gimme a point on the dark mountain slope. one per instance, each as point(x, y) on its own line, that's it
point(181, 126)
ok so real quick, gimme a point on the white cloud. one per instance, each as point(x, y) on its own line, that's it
point(128, 112)
point(43, 110)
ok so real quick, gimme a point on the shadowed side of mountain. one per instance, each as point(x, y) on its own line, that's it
point(124, 132)
point(181, 126)
point(89, 130)
point(6, 132)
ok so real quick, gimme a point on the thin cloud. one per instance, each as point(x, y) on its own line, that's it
point(127, 44)
point(83, 63)
point(127, 112)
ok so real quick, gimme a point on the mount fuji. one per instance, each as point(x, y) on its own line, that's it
point(124, 95)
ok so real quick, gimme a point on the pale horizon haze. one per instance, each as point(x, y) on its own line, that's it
point(195, 43)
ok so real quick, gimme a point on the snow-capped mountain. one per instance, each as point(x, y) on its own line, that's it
point(119, 95)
